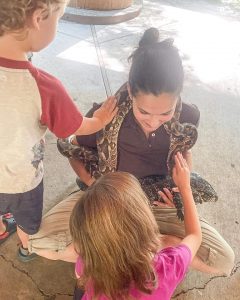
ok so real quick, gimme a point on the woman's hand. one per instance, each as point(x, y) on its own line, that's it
point(181, 173)
point(167, 197)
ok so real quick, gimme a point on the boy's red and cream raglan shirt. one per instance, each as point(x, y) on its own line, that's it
point(31, 101)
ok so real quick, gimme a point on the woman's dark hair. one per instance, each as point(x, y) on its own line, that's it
point(156, 66)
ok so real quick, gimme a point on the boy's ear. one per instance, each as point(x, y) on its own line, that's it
point(37, 17)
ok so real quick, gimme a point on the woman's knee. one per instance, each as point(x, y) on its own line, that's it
point(214, 250)
point(229, 259)
point(219, 257)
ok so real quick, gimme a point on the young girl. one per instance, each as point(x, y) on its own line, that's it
point(121, 253)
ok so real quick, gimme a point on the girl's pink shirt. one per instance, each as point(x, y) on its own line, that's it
point(171, 265)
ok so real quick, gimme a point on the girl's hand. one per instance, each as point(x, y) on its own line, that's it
point(107, 111)
point(181, 173)
point(167, 197)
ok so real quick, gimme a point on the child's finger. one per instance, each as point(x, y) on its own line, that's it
point(181, 159)
point(106, 103)
point(185, 163)
point(110, 103)
point(114, 112)
point(177, 162)
point(110, 99)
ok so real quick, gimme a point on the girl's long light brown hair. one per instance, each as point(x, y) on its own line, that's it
point(116, 235)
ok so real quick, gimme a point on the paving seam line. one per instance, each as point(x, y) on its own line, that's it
point(101, 62)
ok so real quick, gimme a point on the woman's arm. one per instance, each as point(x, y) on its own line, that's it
point(81, 172)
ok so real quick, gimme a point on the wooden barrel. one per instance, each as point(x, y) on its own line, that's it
point(101, 4)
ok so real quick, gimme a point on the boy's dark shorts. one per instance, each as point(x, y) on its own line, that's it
point(26, 208)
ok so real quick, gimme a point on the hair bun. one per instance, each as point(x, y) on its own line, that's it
point(150, 36)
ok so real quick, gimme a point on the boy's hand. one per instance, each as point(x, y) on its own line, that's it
point(181, 173)
point(100, 119)
point(107, 111)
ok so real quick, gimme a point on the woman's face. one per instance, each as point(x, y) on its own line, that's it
point(152, 111)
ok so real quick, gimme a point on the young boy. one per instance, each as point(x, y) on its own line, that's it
point(30, 102)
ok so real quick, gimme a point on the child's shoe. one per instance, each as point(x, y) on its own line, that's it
point(11, 227)
point(25, 256)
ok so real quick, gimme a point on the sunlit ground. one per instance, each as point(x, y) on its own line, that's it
point(210, 43)
point(85, 52)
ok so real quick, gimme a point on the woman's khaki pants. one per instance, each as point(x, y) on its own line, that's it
point(54, 234)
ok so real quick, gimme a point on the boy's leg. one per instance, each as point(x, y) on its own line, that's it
point(24, 237)
point(27, 211)
point(214, 254)
point(53, 237)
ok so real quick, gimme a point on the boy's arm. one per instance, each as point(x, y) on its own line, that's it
point(100, 119)
point(181, 176)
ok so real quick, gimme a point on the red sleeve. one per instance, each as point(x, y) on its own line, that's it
point(59, 113)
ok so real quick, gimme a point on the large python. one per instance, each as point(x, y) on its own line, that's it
point(104, 159)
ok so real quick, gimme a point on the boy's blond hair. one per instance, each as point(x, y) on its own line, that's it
point(14, 13)
point(116, 234)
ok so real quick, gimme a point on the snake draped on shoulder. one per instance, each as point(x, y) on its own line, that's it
point(103, 160)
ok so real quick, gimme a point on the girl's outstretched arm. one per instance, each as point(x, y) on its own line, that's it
point(181, 177)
